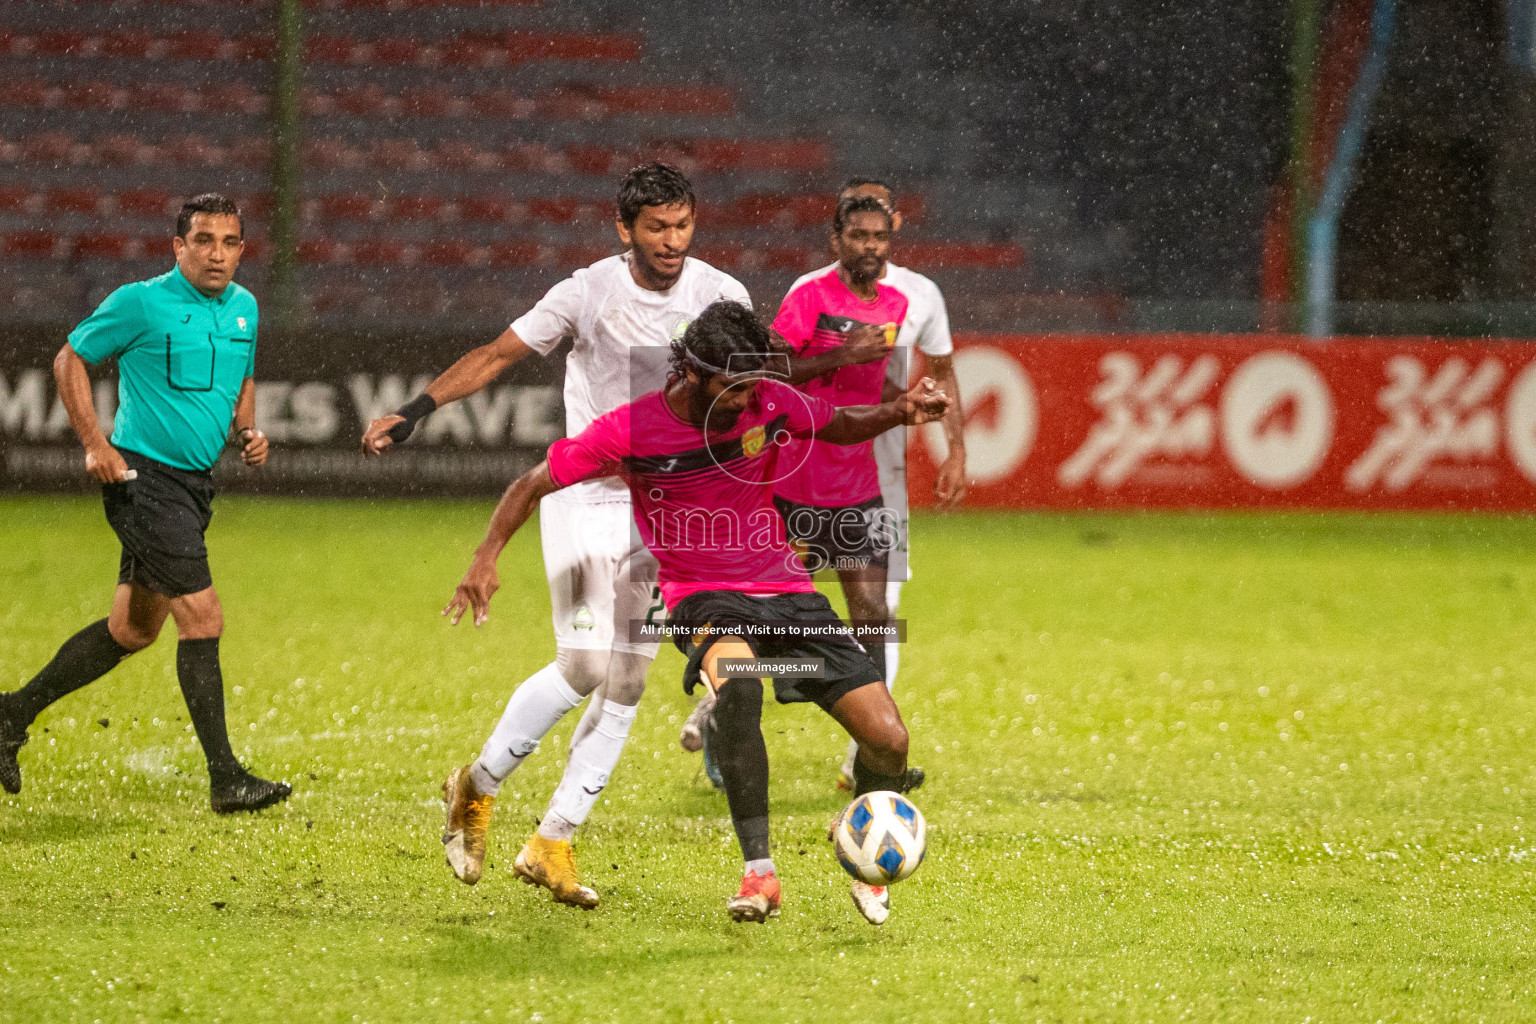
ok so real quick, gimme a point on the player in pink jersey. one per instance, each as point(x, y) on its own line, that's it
point(841, 327)
point(701, 458)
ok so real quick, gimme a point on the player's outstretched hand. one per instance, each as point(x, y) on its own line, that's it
point(376, 438)
point(865, 344)
point(254, 452)
point(474, 593)
point(106, 464)
point(924, 403)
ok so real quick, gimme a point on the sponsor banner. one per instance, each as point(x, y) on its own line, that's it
point(1261, 421)
point(313, 399)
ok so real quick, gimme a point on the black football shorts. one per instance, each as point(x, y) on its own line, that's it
point(847, 666)
point(160, 518)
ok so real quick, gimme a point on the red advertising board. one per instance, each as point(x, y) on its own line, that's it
point(1242, 421)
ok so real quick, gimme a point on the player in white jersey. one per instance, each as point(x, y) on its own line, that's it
point(925, 328)
point(622, 313)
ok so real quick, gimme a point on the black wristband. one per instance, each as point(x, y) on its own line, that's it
point(421, 406)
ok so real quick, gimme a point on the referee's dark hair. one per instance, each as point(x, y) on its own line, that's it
point(727, 337)
point(858, 180)
point(850, 205)
point(652, 184)
point(208, 202)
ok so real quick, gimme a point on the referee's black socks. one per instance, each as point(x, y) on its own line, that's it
point(83, 659)
point(202, 687)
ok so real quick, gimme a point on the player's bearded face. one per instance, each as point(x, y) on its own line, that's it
point(659, 239)
point(864, 244)
point(718, 402)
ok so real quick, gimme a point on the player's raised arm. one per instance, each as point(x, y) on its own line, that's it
point(855, 423)
point(473, 371)
point(512, 511)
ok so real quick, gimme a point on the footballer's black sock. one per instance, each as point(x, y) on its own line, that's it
point(83, 659)
point(742, 756)
point(867, 780)
point(202, 687)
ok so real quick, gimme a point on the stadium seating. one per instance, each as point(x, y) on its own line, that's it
point(477, 152)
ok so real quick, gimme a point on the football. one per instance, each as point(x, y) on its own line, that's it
point(881, 838)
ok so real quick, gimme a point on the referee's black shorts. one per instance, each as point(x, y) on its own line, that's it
point(160, 518)
point(846, 665)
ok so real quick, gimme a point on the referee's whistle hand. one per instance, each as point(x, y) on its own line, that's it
point(376, 438)
point(474, 593)
point(105, 464)
point(255, 451)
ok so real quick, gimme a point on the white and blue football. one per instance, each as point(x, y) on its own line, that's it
point(881, 838)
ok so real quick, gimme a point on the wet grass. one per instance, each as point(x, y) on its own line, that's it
point(1211, 768)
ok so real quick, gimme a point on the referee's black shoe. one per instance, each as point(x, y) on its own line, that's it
point(12, 736)
point(246, 792)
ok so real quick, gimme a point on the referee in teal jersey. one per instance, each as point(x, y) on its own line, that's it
point(185, 344)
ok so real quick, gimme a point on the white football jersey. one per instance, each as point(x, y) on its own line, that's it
point(610, 316)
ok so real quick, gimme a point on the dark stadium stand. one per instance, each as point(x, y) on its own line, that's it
point(452, 165)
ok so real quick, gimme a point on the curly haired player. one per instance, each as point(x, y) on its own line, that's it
point(700, 457)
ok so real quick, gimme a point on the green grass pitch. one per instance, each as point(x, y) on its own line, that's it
point(1235, 768)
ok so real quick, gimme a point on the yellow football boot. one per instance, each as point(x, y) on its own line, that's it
point(469, 818)
point(552, 864)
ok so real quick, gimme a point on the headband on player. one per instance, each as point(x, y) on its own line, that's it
point(769, 364)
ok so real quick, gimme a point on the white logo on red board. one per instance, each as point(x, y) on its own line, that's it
point(1520, 421)
point(1276, 419)
point(1144, 416)
point(1431, 419)
point(1001, 414)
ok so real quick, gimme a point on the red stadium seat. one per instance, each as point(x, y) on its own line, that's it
point(500, 103)
point(487, 208)
point(553, 211)
point(346, 206)
point(960, 255)
point(129, 45)
point(411, 207)
point(448, 254)
point(71, 200)
point(586, 159)
point(463, 52)
point(30, 92)
point(102, 247)
point(317, 250)
point(379, 252)
point(398, 50)
point(13, 199)
point(59, 44)
point(194, 45)
point(515, 254)
point(92, 96)
point(328, 49)
point(146, 202)
point(364, 102)
point(125, 150)
point(234, 98)
point(163, 96)
point(426, 102)
point(35, 245)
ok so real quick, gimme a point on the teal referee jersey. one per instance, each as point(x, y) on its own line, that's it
point(181, 360)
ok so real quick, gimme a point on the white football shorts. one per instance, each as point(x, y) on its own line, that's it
point(600, 575)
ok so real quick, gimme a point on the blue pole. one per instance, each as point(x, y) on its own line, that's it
point(1323, 228)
